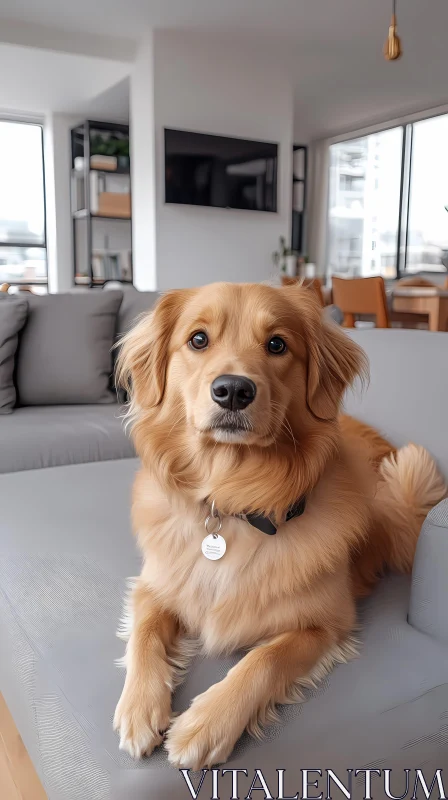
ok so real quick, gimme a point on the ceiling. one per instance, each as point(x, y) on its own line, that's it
point(300, 21)
point(332, 49)
point(40, 81)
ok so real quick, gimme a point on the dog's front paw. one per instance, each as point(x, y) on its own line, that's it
point(141, 720)
point(204, 735)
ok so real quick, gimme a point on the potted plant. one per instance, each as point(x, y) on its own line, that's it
point(285, 258)
point(123, 154)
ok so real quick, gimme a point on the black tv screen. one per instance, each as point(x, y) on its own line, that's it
point(205, 170)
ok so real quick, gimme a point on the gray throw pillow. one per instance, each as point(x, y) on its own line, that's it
point(12, 319)
point(65, 349)
point(133, 305)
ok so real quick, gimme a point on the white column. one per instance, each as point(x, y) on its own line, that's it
point(318, 183)
point(57, 189)
point(142, 151)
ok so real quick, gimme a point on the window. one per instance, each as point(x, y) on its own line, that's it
point(427, 236)
point(365, 176)
point(388, 192)
point(351, 183)
point(23, 257)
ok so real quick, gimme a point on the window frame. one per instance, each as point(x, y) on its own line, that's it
point(407, 124)
point(38, 122)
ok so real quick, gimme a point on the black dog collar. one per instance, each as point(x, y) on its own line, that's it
point(259, 521)
point(265, 524)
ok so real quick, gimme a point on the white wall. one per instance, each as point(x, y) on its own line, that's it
point(143, 167)
point(317, 210)
point(203, 84)
point(57, 190)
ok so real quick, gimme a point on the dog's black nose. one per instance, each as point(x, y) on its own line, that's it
point(233, 391)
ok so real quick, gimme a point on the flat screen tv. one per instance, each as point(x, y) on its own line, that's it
point(205, 170)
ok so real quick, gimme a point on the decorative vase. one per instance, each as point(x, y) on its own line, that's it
point(291, 266)
point(310, 271)
point(123, 163)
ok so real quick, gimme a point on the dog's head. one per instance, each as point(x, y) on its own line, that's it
point(239, 364)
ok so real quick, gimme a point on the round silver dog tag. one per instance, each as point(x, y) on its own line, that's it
point(213, 546)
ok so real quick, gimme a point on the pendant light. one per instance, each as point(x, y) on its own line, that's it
point(392, 48)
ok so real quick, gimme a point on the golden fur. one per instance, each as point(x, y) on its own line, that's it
point(290, 598)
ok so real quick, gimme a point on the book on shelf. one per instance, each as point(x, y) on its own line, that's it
point(97, 266)
point(110, 195)
point(97, 187)
point(103, 162)
point(110, 266)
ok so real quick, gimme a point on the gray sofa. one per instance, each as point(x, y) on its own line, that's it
point(67, 550)
point(67, 410)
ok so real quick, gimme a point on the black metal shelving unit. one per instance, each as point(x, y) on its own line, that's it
point(299, 198)
point(86, 257)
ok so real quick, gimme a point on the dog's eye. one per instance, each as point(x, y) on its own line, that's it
point(276, 346)
point(199, 341)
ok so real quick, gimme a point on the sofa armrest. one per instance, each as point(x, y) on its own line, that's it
point(428, 609)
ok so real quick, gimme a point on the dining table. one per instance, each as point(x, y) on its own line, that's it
point(418, 300)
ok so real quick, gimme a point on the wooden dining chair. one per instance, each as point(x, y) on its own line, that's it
point(361, 297)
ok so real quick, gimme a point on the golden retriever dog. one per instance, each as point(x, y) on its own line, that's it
point(261, 514)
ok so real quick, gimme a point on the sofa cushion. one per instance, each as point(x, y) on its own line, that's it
point(66, 553)
point(12, 319)
point(133, 304)
point(429, 595)
point(50, 436)
point(408, 389)
point(65, 355)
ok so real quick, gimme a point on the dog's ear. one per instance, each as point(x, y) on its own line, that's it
point(143, 352)
point(334, 361)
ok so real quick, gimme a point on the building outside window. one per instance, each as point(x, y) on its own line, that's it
point(364, 204)
point(23, 255)
point(388, 199)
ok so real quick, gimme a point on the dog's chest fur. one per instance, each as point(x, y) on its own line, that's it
point(263, 585)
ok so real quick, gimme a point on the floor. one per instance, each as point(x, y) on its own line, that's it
point(18, 778)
